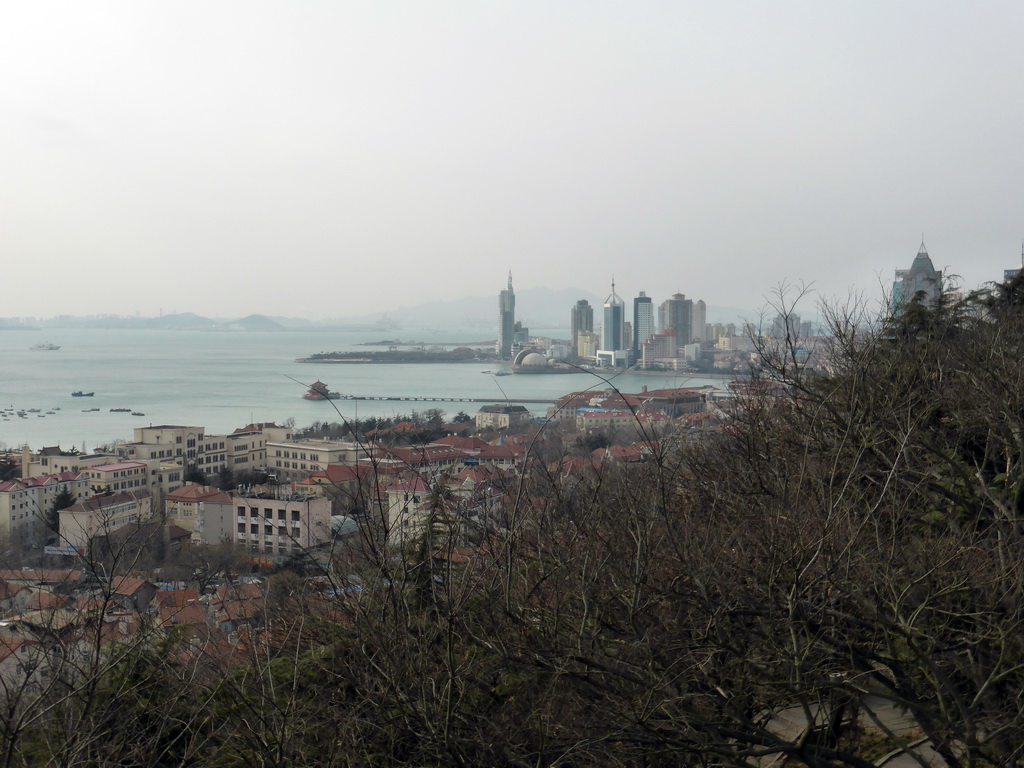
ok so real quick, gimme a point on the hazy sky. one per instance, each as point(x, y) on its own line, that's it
point(327, 159)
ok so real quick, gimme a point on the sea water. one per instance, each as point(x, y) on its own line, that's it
point(223, 380)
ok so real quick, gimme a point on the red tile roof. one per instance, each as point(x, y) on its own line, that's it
point(127, 585)
point(172, 615)
point(193, 492)
point(176, 598)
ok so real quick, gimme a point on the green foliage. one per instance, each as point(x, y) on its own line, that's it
point(64, 499)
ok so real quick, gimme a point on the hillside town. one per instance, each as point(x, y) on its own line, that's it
point(503, 546)
point(175, 528)
point(268, 497)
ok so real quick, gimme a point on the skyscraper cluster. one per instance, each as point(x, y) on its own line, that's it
point(678, 323)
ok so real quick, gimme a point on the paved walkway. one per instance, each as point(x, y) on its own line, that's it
point(875, 713)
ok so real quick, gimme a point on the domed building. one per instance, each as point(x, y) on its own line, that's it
point(532, 361)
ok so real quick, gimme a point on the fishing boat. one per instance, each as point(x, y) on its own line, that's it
point(319, 391)
point(47, 347)
point(80, 393)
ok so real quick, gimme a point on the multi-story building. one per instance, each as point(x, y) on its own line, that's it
point(502, 417)
point(184, 506)
point(785, 326)
point(922, 281)
point(662, 345)
point(698, 319)
point(244, 450)
point(54, 460)
point(582, 319)
point(615, 346)
point(297, 459)
point(411, 506)
point(643, 321)
point(81, 523)
point(506, 320)
point(24, 503)
point(169, 441)
point(118, 477)
point(587, 344)
point(266, 525)
point(676, 313)
point(613, 330)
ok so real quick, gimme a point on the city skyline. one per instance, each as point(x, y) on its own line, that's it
point(234, 158)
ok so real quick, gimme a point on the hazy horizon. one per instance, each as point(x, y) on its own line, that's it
point(322, 160)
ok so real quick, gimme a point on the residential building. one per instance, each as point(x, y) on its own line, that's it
point(25, 502)
point(502, 417)
point(184, 506)
point(297, 459)
point(676, 313)
point(506, 320)
point(698, 319)
point(81, 523)
point(582, 319)
point(54, 461)
point(659, 347)
point(411, 504)
point(266, 525)
point(118, 476)
point(181, 443)
point(587, 344)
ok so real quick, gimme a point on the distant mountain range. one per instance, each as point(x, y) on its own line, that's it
point(538, 308)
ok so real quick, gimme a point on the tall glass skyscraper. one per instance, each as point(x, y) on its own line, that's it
point(506, 320)
point(613, 331)
point(643, 320)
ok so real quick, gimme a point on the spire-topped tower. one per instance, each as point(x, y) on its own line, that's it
point(506, 320)
point(613, 332)
point(922, 281)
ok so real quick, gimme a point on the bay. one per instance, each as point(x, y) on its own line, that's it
point(225, 380)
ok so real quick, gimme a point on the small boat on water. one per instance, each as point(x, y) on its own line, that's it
point(319, 391)
point(80, 393)
point(47, 347)
point(138, 413)
point(120, 410)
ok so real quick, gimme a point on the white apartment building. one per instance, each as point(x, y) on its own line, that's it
point(25, 502)
point(244, 450)
point(102, 515)
point(53, 461)
point(265, 525)
point(298, 459)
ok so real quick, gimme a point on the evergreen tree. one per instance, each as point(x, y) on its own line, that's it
point(64, 499)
